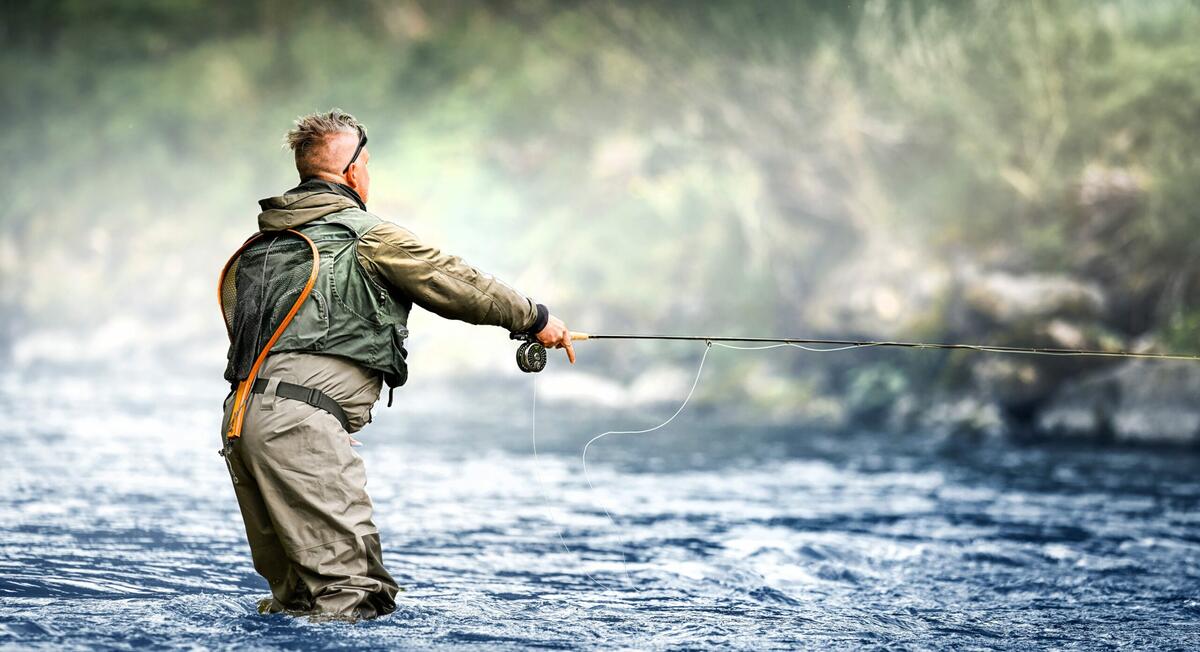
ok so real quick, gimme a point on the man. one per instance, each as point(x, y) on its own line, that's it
point(317, 305)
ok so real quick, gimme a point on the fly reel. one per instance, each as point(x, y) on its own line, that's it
point(531, 355)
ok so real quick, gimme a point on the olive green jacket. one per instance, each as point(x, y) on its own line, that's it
point(396, 259)
point(413, 270)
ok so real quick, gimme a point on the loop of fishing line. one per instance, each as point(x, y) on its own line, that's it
point(708, 346)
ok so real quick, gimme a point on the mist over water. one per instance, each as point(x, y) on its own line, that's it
point(1000, 173)
point(120, 531)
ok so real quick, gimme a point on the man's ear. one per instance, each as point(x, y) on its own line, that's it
point(355, 178)
point(353, 175)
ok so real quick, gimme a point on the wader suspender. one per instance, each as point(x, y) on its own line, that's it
point(246, 387)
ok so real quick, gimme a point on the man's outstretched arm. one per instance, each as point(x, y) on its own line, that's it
point(449, 287)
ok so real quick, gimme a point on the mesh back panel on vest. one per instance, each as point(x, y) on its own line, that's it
point(258, 290)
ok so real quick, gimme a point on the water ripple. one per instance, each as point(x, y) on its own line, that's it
point(134, 541)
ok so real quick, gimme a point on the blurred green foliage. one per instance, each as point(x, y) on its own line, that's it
point(648, 166)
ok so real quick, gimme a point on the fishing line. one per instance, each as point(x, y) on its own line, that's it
point(531, 358)
point(537, 477)
point(856, 344)
point(691, 391)
point(587, 476)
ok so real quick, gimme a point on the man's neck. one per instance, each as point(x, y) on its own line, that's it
point(326, 176)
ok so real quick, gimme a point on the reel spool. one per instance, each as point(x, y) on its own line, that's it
point(531, 355)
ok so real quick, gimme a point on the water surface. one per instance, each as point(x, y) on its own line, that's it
point(118, 529)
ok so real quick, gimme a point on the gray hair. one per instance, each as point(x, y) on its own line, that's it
point(311, 132)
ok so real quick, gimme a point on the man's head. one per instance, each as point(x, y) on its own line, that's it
point(331, 146)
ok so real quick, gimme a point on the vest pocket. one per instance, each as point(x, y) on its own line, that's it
point(399, 334)
point(310, 327)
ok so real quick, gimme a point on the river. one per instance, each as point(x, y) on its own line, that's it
point(118, 530)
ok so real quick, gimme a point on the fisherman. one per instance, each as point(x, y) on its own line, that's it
point(300, 394)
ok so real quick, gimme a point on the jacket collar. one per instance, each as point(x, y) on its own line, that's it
point(313, 184)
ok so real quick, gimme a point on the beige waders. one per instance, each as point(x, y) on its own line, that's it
point(302, 492)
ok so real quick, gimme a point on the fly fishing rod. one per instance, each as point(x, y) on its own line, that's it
point(531, 355)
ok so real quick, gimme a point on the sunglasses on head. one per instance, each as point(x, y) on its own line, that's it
point(362, 142)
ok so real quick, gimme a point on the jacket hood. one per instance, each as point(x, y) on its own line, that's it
point(307, 202)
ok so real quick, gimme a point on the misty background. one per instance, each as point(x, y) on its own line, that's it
point(1014, 173)
point(1017, 173)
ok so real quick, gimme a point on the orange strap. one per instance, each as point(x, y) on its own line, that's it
point(242, 394)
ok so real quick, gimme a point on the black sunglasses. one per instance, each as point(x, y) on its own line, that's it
point(362, 142)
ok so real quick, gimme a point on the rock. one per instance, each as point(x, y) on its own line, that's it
point(1143, 401)
point(966, 415)
point(1082, 410)
point(1031, 310)
point(1005, 298)
point(1012, 380)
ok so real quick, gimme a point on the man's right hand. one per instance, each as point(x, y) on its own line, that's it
point(556, 336)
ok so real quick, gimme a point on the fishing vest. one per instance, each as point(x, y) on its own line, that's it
point(346, 313)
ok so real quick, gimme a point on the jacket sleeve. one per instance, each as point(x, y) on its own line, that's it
point(441, 283)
